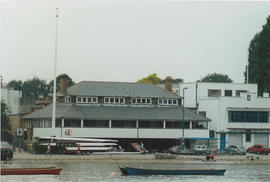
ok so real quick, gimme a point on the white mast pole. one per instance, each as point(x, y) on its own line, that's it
point(54, 81)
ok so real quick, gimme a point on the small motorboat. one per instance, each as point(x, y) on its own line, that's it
point(139, 171)
point(31, 171)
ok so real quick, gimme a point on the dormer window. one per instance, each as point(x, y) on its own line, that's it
point(67, 99)
point(141, 101)
point(86, 100)
point(114, 100)
point(167, 101)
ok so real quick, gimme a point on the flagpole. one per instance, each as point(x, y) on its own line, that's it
point(54, 81)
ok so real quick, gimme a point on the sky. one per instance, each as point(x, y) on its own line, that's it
point(127, 40)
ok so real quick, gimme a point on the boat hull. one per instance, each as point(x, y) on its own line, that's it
point(31, 171)
point(138, 171)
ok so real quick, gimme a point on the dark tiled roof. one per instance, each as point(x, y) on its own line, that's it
point(116, 112)
point(120, 89)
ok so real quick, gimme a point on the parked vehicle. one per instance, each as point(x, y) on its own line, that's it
point(259, 149)
point(236, 150)
point(6, 151)
point(202, 150)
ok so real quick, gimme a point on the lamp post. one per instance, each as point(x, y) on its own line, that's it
point(183, 125)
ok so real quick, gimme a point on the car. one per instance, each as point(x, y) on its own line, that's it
point(201, 150)
point(259, 149)
point(6, 151)
point(234, 150)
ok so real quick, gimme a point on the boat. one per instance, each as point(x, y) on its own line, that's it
point(140, 171)
point(31, 171)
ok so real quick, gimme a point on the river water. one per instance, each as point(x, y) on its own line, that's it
point(109, 172)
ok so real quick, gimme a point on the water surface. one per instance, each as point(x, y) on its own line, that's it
point(102, 171)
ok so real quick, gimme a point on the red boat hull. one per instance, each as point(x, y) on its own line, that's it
point(30, 171)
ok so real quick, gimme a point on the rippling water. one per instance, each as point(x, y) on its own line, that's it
point(102, 171)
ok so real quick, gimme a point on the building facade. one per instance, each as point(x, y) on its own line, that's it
point(125, 111)
point(12, 99)
point(238, 115)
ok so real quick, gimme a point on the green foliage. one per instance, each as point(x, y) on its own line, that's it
point(5, 121)
point(259, 59)
point(7, 136)
point(152, 78)
point(172, 80)
point(38, 149)
point(15, 85)
point(216, 77)
point(37, 87)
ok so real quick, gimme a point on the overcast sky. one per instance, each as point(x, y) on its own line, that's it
point(125, 41)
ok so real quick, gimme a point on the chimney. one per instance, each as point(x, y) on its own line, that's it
point(63, 83)
point(168, 83)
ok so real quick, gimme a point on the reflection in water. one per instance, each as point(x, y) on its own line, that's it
point(101, 171)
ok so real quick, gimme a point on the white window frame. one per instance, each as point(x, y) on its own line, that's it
point(77, 99)
point(67, 99)
point(112, 100)
point(166, 102)
point(140, 101)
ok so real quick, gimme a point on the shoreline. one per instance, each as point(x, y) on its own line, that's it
point(137, 158)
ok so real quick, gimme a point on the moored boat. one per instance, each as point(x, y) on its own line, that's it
point(31, 171)
point(139, 171)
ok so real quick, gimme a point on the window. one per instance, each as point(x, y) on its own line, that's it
point(202, 113)
point(141, 101)
point(58, 123)
point(228, 93)
point(72, 123)
point(167, 101)
point(211, 134)
point(96, 124)
point(86, 100)
point(248, 117)
point(89, 100)
point(150, 124)
point(186, 125)
point(67, 99)
point(172, 124)
point(214, 93)
point(199, 125)
point(123, 124)
point(114, 100)
point(248, 136)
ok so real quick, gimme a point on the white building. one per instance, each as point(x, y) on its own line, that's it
point(12, 99)
point(238, 116)
point(128, 112)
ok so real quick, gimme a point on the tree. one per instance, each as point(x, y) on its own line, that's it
point(259, 59)
point(5, 124)
point(173, 80)
point(216, 77)
point(15, 85)
point(152, 78)
point(35, 88)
